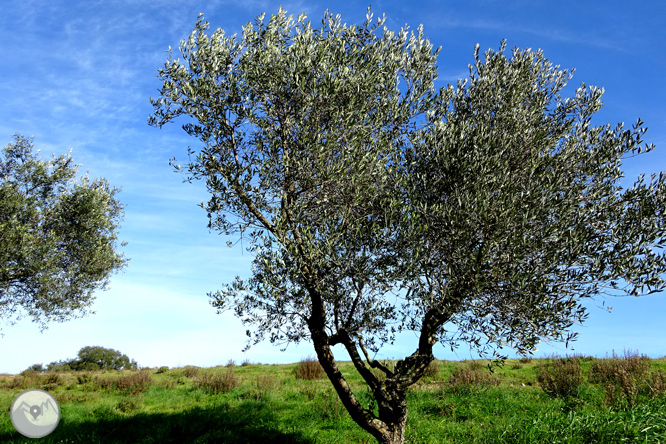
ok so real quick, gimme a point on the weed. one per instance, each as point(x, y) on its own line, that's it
point(135, 382)
point(167, 384)
point(245, 362)
point(307, 390)
point(230, 363)
point(621, 377)
point(309, 368)
point(561, 377)
point(432, 371)
point(464, 377)
point(265, 382)
point(332, 407)
point(128, 405)
point(218, 382)
point(84, 378)
point(190, 371)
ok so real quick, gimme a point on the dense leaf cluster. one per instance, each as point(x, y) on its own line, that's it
point(57, 236)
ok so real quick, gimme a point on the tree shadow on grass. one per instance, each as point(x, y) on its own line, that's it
point(250, 422)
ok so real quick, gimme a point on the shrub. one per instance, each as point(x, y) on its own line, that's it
point(265, 382)
point(84, 378)
point(39, 368)
point(231, 363)
point(561, 377)
point(162, 369)
point(309, 368)
point(127, 405)
point(621, 377)
point(190, 371)
point(136, 382)
point(475, 365)
point(245, 362)
point(59, 366)
point(52, 378)
point(656, 384)
point(215, 383)
point(464, 377)
point(27, 379)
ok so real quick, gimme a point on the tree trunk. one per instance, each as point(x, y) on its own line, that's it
point(389, 426)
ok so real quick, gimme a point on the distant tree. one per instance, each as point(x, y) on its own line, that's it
point(60, 366)
point(39, 368)
point(57, 236)
point(95, 357)
point(484, 212)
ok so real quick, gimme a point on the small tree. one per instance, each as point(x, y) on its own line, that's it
point(57, 236)
point(379, 203)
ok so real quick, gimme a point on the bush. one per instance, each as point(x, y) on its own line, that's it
point(215, 383)
point(27, 379)
point(309, 368)
point(84, 378)
point(622, 377)
point(39, 368)
point(190, 371)
point(464, 377)
point(561, 377)
point(162, 369)
point(59, 366)
point(245, 362)
point(656, 383)
point(136, 382)
point(52, 378)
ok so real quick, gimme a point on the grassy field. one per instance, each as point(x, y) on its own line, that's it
point(589, 400)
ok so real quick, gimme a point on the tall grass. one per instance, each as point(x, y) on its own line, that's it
point(460, 403)
point(309, 368)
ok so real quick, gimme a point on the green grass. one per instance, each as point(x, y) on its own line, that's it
point(256, 403)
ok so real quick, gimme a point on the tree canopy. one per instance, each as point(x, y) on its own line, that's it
point(377, 202)
point(57, 236)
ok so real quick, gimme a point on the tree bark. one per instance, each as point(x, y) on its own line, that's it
point(391, 396)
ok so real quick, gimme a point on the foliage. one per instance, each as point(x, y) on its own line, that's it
point(92, 358)
point(39, 368)
point(561, 377)
point(103, 358)
point(464, 377)
point(57, 236)
point(484, 212)
point(309, 368)
point(218, 382)
point(191, 371)
point(625, 378)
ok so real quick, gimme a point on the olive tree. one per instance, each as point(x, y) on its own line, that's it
point(57, 236)
point(376, 203)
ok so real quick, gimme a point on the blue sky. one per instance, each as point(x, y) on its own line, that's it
point(78, 74)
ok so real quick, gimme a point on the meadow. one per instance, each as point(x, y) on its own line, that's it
point(616, 399)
